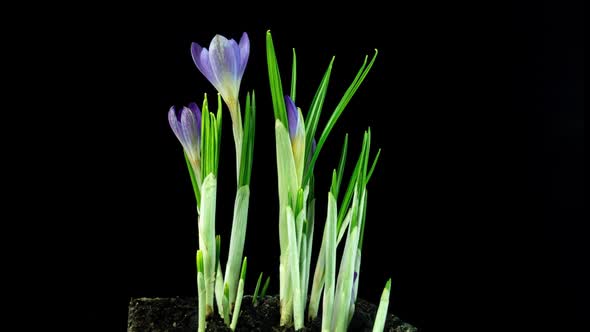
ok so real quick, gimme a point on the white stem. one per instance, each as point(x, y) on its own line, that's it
point(201, 304)
point(237, 238)
point(236, 314)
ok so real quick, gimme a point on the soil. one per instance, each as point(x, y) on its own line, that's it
point(179, 314)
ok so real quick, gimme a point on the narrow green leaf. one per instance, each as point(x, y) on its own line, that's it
point(352, 183)
point(255, 295)
point(244, 268)
point(294, 77)
point(274, 78)
point(363, 217)
point(236, 314)
point(217, 249)
point(218, 136)
point(341, 166)
point(381, 315)
point(373, 166)
point(333, 186)
point(313, 116)
point(245, 144)
point(226, 306)
point(362, 73)
point(265, 287)
point(191, 173)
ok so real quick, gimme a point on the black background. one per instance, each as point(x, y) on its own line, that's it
point(475, 209)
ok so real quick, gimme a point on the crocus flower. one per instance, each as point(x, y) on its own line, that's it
point(186, 125)
point(297, 134)
point(223, 64)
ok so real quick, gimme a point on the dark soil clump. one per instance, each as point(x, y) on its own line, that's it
point(179, 314)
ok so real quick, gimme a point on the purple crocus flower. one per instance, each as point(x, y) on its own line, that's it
point(186, 125)
point(223, 64)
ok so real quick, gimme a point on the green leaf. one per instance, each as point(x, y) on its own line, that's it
point(217, 248)
point(352, 183)
point(315, 110)
point(294, 76)
point(244, 268)
point(194, 182)
point(373, 166)
point(248, 141)
point(265, 287)
point(381, 315)
point(274, 78)
point(362, 73)
point(226, 306)
point(255, 295)
point(236, 314)
point(341, 166)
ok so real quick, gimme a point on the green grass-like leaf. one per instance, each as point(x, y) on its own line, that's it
point(257, 289)
point(313, 115)
point(248, 140)
point(362, 73)
point(244, 268)
point(274, 77)
point(265, 287)
point(294, 77)
point(381, 315)
point(191, 173)
point(336, 188)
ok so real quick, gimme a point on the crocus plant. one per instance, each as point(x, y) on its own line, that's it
point(223, 64)
point(296, 158)
point(199, 132)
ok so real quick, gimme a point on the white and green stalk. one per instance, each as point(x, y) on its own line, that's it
point(381, 315)
point(219, 288)
point(201, 293)
point(240, 295)
point(344, 285)
point(245, 136)
point(207, 237)
point(236, 247)
point(329, 244)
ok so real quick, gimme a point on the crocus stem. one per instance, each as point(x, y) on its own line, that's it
point(202, 305)
point(207, 243)
point(238, 131)
point(318, 282)
point(237, 238)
